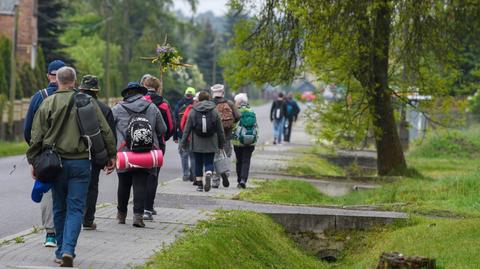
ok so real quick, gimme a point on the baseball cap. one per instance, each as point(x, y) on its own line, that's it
point(190, 91)
point(54, 66)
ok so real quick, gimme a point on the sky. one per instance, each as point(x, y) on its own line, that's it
point(216, 6)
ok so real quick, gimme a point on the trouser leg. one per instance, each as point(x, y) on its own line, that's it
point(46, 206)
point(208, 159)
point(184, 156)
point(198, 164)
point(123, 191)
point(238, 163)
point(79, 173)
point(246, 157)
point(92, 196)
point(139, 180)
point(152, 184)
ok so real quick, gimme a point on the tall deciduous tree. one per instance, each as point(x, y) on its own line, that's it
point(364, 45)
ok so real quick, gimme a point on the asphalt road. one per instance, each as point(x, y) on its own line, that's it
point(18, 212)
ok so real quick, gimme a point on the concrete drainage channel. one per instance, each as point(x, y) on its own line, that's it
point(312, 232)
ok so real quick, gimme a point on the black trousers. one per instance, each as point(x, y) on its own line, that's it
point(152, 184)
point(92, 196)
point(137, 179)
point(243, 155)
point(287, 129)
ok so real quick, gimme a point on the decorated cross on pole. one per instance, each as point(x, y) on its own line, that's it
point(167, 58)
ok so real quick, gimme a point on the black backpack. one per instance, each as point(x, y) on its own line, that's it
point(139, 137)
point(278, 110)
point(204, 124)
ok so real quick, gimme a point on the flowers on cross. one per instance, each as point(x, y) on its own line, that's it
point(167, 57)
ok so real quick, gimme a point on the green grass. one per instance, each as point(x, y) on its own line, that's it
point(12, 148)
point(313, 166)
point(234, 239)
point(453, 243)
point(450, 144)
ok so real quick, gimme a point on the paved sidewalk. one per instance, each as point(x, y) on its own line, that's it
point(179, 206)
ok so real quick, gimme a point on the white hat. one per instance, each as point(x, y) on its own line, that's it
point(218, 90)
point(241, 98)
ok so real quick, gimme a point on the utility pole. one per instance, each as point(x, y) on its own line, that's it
point(107, 6)
point(13, 74)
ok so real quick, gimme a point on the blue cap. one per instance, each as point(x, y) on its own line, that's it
point(54, 66)
point(134, 86)
point(39, 188)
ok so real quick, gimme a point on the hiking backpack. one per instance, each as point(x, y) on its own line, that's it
point(139, 136)
point(246, 131)
point(164, 108)
point(278, 112)
point(204, 123)
point(226, 115)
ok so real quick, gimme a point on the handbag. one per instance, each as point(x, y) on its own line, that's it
point(221, 162)
point(48, 164)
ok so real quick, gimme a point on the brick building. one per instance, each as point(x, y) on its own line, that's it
point(27, 34)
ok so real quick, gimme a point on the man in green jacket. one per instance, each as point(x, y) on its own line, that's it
point(70, 188)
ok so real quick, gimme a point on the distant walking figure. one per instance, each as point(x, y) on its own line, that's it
point(278, 114)
point(292, 111)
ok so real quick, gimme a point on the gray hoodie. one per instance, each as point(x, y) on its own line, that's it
point(203, 144)
point(137, 104)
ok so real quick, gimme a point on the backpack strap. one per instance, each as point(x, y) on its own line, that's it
point(44, 93)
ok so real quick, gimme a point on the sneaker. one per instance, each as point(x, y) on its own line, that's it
point(58, 260)
point(195, 183)
point(215, 181)
point(138, 221)
point(147, 215)
point(67, 260)
point(121, 217)
point(274, 142)
point(90, 226)
point(239, 186)
point(50, 240)
point(185, 178)
point(154, 212)
point(199, 186)
point(208, 181)
point(225, 181)
point(242, 184)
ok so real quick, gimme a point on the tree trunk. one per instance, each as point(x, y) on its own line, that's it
point(390, 156)
point(125, 43)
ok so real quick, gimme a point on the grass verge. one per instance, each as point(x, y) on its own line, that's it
point(234, 239)
point(312, 166)
point(452, 242)
point(12, 148)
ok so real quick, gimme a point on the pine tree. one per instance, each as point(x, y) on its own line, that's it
point(50, 27)
point(207, 55)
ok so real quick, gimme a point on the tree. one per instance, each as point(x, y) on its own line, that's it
point(207, 53)
point(50, 26)
point(370, 47)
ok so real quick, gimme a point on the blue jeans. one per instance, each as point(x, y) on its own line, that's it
point(188, 162)
point(201, 160)
point(69, 198)
point(278, 126)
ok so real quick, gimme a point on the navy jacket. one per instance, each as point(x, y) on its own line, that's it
point(177, 135)
point(35, 103)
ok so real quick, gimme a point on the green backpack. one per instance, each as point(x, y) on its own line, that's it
point(246, 131)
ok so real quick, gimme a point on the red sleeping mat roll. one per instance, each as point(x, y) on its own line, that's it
point(151, 159)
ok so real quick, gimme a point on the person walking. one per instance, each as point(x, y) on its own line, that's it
point(292, 111)
point(183, 122)
point(186, 157)
point(89, 85)
point(277, 116)
point(135, 107)
point(55, 125)
point(204, 128)
point(229, 115)
point(46, 204)
point(245, 136)
point(155, 96)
